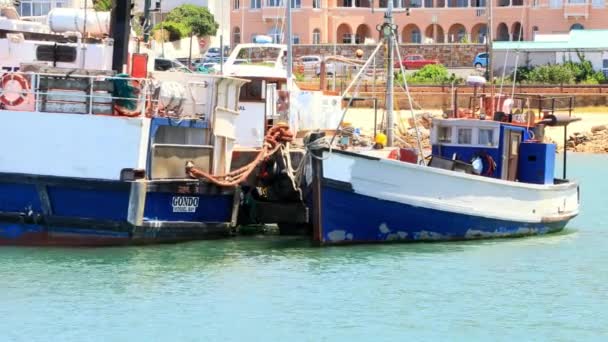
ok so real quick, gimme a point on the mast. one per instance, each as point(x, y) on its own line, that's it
point(147, 26)
point(289, 44)
point(388, 35)
point(490, 61)
point(120, 28)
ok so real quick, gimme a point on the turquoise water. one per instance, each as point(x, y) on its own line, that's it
point(552, 288)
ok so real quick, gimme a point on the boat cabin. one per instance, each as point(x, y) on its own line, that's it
point(264, 98)
point(492, 149)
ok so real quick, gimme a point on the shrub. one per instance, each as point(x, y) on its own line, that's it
point(170, 31)
point(552, 74)
point(429, 74)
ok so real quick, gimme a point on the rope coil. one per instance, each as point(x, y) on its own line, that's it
point(276, 137)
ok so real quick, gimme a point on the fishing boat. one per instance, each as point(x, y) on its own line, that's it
point(92, 157)
point(271, 97)
point(488, 176)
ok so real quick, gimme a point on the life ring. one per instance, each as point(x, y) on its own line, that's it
point(6, 78)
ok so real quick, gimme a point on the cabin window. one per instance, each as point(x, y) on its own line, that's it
point(486, 137)
point(465, 136)
point(444, 135)
point(252, 91)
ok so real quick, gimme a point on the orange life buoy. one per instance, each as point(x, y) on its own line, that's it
point(6, 78)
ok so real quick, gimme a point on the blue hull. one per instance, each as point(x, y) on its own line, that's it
point(348, 217)
point(38, 211)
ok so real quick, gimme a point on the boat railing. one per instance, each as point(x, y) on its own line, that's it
point(78, 94)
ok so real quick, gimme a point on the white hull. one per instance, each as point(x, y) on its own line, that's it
point(451, 191)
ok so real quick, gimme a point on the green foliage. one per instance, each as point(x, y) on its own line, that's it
point(170, 31)
point(197, 19)
point(522, 75)
point(568, 72)
point(429, 74)
point(102, 5)
point(299, 76)
point(552, 74)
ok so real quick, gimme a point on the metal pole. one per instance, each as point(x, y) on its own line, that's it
point(147, 27)
point(490, 61)
point(390, 77)
point(289, 43)
point(375, 117)
point(222, 39)
point(333, 76)
point(162, 30)
point(565, 148)
point(221, 54)
point(84, 36)
point(120, 28)
point(190, 52)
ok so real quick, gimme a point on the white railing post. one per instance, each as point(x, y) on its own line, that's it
point(91, 92)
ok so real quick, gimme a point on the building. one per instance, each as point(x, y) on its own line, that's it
point(554, 49)
point(33, 8)
point(429, 21)
point(219, 8)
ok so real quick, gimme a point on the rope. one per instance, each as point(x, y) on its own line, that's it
point(274, 141)
point(409, 97)
point(309, 148)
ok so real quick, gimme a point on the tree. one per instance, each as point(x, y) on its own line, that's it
point(102, 5)
point(197, 18)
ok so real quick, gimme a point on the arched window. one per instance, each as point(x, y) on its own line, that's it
point(236, 35)
point(316, 36)
point(577, 26)
point(416, 36)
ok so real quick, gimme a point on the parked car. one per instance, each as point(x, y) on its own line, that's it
point(481, 60)
point(165, 64)
point(310, 60)
point(213, 52)
point(313, 63)
point(415, 62)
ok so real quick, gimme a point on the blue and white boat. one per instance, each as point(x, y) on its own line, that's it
point(88, 157)
point(486, 178)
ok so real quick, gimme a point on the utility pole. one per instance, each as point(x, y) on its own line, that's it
point(388, 38)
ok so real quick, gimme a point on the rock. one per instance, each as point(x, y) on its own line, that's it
point(598, 128)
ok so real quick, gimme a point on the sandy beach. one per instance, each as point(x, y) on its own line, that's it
point(363, 118)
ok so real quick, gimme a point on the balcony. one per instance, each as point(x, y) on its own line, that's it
point(576, 9)
point(273, 13)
